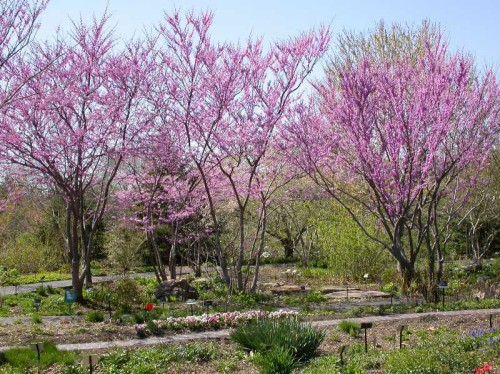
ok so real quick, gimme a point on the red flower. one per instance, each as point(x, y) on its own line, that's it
point(484, 369)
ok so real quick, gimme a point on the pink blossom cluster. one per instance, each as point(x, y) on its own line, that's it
point(214, 321)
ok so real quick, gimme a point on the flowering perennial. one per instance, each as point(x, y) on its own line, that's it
point(214, 321)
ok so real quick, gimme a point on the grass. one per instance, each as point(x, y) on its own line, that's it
point(52, 303)
point(26, 358)
point(156, 359)
point(35, 278)
point(350, 327)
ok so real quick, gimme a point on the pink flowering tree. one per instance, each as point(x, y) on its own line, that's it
point(18, 24)
point(226, 101)
point(73, 126)
point(162, 191)
point(394, 136)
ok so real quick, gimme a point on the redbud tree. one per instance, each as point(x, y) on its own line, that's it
point(71, 127)
point(393, 135)
point(225, 102)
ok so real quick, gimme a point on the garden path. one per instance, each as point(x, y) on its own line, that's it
point(23, 288)
point(222, 334)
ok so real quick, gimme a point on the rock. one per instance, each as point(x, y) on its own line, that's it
point(331, 289)
point(180, 288)
point(288, 289)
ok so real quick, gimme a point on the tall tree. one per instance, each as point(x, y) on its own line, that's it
point(392, 135)
point(226, 101)
point(73, 126)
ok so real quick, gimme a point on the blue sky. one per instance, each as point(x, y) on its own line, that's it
point(473, 26)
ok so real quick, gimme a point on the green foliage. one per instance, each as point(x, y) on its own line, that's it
point(29, 254)
point(277, 360)
point(124, 249)
point(11, 277)
point(26, 358)
point(350, 327)
point(153, 328)
point(389, 288)
point(440, 351)
point(94, 316)
point(51, 304)
point(315, 297)
point(154, 360)
point(440, 360)
point(36, 319)
point(41, 291)
point(250, 299)
point(290, 333)
point(348, 251)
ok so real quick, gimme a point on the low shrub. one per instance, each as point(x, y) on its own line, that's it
point(350, 327)
point(277, 360)
point(315, 297)
point(262, 335)
point(94, 316)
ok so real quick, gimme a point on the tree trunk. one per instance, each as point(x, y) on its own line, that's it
point(172, 258)
point(155, 250)
point(253, 288)
point(73, 253)
point(219, 253)
point(239, 263)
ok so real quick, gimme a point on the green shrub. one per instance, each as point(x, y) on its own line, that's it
point(94, 316)
point(350, 327)
point(315, 297)
point(301, 339)
point(277, 360)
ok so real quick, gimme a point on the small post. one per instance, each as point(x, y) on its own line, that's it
point(36, 303)
point(347, 291)
point(41, 280)
point(365, 326)
point(341, 353)
point(491, 321)
point(401, 329)
point(191, 303)
point(207, 304)
point(38, 347)
point(90, 360)
point(442, 285)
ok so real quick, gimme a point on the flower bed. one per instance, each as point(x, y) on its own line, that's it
point(207, 322)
